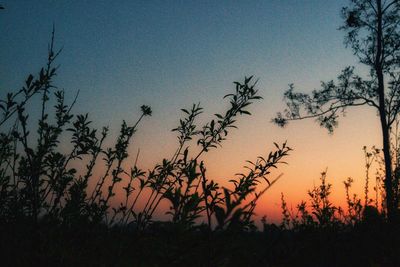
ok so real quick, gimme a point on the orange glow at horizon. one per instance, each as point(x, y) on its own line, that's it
point(314, 151)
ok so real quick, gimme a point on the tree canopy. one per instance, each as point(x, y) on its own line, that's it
point(372, 30)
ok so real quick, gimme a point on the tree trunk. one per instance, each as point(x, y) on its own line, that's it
point(383, 116)
point(388, 167)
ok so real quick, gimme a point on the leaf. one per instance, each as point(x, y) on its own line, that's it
point(219, 116)
point(29, 80)
point(227, 200)
point(245, 112)
point(247, 80)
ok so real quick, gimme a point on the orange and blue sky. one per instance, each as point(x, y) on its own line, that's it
point(170, 54)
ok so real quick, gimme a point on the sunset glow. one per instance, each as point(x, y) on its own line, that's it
point(169, 56)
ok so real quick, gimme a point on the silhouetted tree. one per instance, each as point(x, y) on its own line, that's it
point(373, 33)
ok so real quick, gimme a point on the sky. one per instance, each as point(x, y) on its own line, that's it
point(170, 54)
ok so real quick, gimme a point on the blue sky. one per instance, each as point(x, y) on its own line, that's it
point(169, 54)
point(174, 50)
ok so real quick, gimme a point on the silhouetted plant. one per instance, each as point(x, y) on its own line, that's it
point(38, 181)
point(36, 178)
point(320, 212)
point(354, 206)
point(321, 206)
point(286, 218)
point(303, 217)
point(233, 214)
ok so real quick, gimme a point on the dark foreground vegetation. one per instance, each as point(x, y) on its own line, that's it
point(56, 210)
point(167, 245)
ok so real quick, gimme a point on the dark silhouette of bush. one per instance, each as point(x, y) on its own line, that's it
point(38, 184)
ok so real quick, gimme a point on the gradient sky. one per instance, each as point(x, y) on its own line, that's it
point(170, 54)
